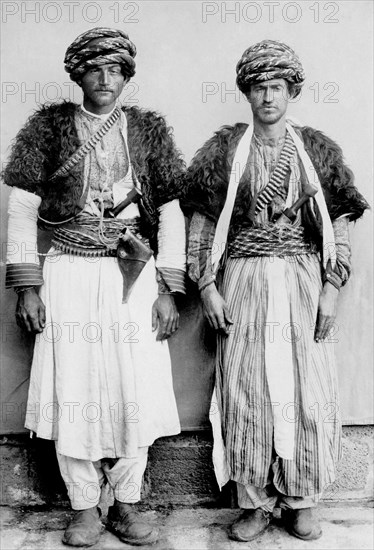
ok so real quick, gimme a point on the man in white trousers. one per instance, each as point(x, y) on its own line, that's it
point(107, 179)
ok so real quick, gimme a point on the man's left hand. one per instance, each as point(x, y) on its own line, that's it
point(326, 311)
point(165, 316)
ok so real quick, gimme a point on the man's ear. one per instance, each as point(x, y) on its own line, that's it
point(290, 90)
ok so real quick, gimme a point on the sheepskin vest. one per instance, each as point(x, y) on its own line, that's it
point(208, 176)
point(50, 137)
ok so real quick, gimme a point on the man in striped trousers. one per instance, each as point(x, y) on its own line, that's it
point(269, 250)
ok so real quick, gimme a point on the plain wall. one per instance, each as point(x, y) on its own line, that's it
point(187, 53)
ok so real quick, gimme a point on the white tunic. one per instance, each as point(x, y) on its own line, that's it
point(101, 385)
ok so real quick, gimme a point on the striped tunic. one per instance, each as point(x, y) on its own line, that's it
point(248, 284)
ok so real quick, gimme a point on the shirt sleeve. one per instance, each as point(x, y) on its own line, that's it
point(171, 257)
point(342, 271)
point(343, 248)
point(23, 266)
point(199, 255)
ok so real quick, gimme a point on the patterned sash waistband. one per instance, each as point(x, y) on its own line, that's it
point(91, 236)
point(270, 240)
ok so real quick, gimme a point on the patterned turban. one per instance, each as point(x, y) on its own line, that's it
point(267, 60)
point(97, 47)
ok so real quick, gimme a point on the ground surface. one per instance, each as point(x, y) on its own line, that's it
point(344, 527)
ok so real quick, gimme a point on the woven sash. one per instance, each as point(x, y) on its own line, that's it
point(91, 237)
point(270, 240)
point(82, 151)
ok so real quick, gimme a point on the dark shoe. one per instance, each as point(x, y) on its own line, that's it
point(84, 529)
point(126, 522)
point(250, 525)
point(302, 523)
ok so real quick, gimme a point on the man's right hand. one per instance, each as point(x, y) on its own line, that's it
point(30, 311)
point(215, 309)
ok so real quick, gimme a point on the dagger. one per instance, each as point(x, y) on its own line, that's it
point(289, 214)
point(132, 196)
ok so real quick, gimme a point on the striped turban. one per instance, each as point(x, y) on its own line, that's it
point(97, 47)
point(267, 60)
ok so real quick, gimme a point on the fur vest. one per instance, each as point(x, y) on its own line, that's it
point(208, 176)
point(50, 137)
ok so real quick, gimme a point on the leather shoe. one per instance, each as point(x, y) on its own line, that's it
point(302, 523)
point(250, 525)
point(125, 522)
point(84, 528)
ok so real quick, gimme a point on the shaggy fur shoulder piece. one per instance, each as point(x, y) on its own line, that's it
point(208, 174)
point(156, 160)
point(46, 141)
point(337, 180)
point(49, 138)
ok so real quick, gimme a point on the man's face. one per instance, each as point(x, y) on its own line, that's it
point(101, 86)
point(269, 100)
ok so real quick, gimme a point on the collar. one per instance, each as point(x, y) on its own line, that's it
point(100, 117)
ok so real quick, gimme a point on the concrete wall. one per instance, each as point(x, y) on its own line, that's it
point(179, 472)
point(187, 52)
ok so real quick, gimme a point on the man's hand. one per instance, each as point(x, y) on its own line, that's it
point(165, 316)
point(30, 311)
point(215, 309)
point(326, 311)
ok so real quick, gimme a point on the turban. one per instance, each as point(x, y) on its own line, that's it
point(267, 60)
point(97, 47)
